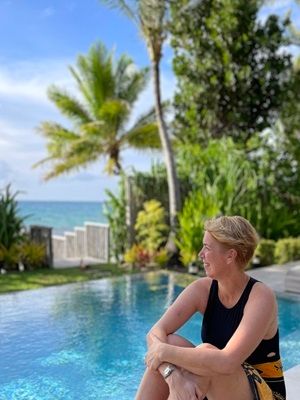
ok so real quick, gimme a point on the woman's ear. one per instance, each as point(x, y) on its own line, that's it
point(231, 255)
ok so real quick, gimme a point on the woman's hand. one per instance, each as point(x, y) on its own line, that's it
point(154, 356)
point(184, 385)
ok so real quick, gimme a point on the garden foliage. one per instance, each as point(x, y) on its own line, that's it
point(15, 247)
point(231, 74)
point(287, 250)
point(115, 212)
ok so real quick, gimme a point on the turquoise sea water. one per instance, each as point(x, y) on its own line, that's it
point(61, 215)
point(86, 341)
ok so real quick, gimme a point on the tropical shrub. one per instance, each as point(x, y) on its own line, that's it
point(287, 250)
point(32, 254)
point(265, 251)
point(9, 257)
point(11, 230)
point(161, 257)
point(151, 227)
point(137, 256)
point(115, 211)
point(223, 167)
point(12, 225)
point(199, 206)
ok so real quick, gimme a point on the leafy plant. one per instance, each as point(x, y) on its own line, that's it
point(161, 257)
point(151, 227)
point(137, 256)
point(12, 225)
point(32, 254)
point(265, 251)
point(223, 167)
point(115, 211)
point(287, 250)
point(9, 257)
point(198, 206)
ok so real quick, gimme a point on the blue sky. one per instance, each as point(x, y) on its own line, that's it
point(38, 40)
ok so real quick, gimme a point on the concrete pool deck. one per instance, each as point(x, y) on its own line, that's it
point(274, 276)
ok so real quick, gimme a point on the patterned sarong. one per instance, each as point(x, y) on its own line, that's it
point(257, 375)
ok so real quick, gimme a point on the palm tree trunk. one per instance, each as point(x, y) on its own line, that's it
point(173, 183)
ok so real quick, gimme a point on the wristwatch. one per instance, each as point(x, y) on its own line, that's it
point(168, 370)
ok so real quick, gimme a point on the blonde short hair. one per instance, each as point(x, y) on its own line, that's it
point(234, 232)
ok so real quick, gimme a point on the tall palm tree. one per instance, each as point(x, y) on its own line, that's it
point(150, 17)
point(108, 91)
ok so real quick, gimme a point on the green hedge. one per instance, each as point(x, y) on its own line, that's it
point(265, 251)
point(287, 250)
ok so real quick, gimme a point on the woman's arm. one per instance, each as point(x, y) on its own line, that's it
point(203, 360)
point(191, 300)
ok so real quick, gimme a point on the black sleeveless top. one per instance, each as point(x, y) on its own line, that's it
point(220, 323)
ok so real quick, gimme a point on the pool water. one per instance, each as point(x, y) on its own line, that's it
point(86, 340)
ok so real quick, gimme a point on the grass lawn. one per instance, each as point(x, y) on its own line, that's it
point(16, 281)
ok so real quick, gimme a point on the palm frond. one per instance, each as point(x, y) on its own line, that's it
point(82, 86)
point(135, 83)
point(129, 11)
point(55, 131)
point(59, 138)
point(45, 160)
point(143, 137)
point(68, 105)
point(115, 114)
point(77, 157)
point(152, 13)
point(152, 20)
point(94, 76)
point(150, 115)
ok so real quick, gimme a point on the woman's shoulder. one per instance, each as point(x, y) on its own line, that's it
point(261, 288)
point(199, 290)
point(263, 293)
point(203, 283)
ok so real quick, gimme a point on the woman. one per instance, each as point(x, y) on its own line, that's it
point(239, 358)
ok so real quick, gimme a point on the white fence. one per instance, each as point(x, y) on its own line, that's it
point(90, 241)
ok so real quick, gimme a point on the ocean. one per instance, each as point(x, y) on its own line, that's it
point(61, 215)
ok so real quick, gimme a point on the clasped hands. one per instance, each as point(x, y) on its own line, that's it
point(154, 356)
point(183, 385)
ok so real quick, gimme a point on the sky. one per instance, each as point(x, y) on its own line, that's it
point(39, 39)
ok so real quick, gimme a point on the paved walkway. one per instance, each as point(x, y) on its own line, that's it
point(274, 276)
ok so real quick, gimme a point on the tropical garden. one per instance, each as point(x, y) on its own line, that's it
point(230, 137)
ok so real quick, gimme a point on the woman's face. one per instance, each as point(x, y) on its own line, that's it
point(213, 256)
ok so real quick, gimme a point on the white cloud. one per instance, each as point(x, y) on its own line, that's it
point(48, 12)
point(29, 80)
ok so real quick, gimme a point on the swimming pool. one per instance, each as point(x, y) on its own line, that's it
point(86, 340)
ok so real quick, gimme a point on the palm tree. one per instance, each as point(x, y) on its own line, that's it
point(99, 120)
point(150, 17)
